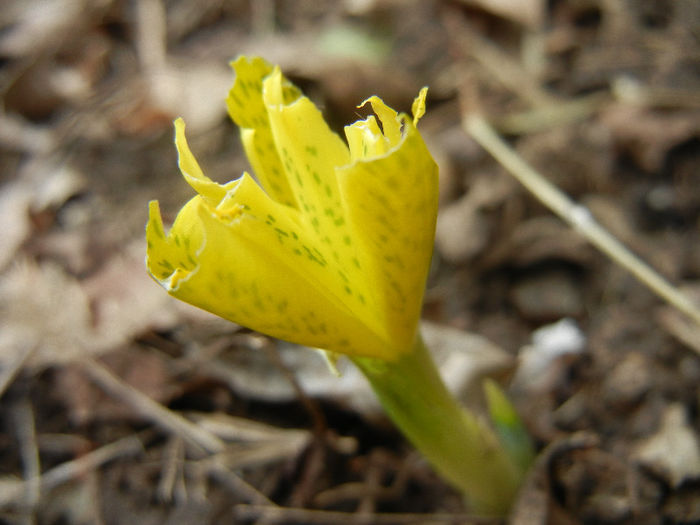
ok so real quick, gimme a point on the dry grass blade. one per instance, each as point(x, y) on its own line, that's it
point(25, 431)
point(576, 215)
point(257, 454)
point(201, 439)
point(236, 484)
point(171, 483)
point(232, 428)
point(72, 469)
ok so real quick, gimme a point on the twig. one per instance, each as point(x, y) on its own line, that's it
point(171, 482)
point(681, 328)
point(231, 481)
point(23, 425)
point(252, 455)
point(374, 491)
point(316, 456)
point(232, 428)
point(75, 468)
point(576, 215)
point(193, 434)
point(91, 461)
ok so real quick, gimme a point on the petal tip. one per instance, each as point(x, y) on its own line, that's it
point(154, 225)
point(418, 107)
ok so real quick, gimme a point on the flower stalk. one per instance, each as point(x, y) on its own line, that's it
point(460, 447)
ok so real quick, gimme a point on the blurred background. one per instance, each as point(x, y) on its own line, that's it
point(121, 405)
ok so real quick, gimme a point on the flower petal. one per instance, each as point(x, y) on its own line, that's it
point(258, 268)
point(418, 106)
point(309, 151)
point(391, 205)
point(390, 119)
point(365, 139)
point(171, 258)
point(247, 110)
point(210, 191)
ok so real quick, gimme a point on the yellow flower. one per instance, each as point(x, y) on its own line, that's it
point(331, 249)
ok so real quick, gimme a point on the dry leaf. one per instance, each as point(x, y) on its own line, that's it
point(15, 198)
point(66, 318)
point(674, 451)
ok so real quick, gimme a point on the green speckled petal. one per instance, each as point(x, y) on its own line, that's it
point(391, 205)
point(247, 110)
point(308, 148)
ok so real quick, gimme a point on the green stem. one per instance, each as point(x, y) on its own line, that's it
point(461, 448)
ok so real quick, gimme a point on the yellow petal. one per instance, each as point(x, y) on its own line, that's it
point(309, 151)
point(258, 268)
point(171, 258)
point(389, 118)
point(247, 110)
point(365, 139)
point(391, 206)
point(210, 191)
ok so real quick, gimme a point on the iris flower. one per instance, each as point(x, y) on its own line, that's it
point(329, 245)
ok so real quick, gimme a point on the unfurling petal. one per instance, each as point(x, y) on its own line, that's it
point(391, 205)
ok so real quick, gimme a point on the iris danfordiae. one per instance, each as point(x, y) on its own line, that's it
point(331, 248)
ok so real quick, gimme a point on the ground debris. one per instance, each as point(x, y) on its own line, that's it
point(674, 451)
